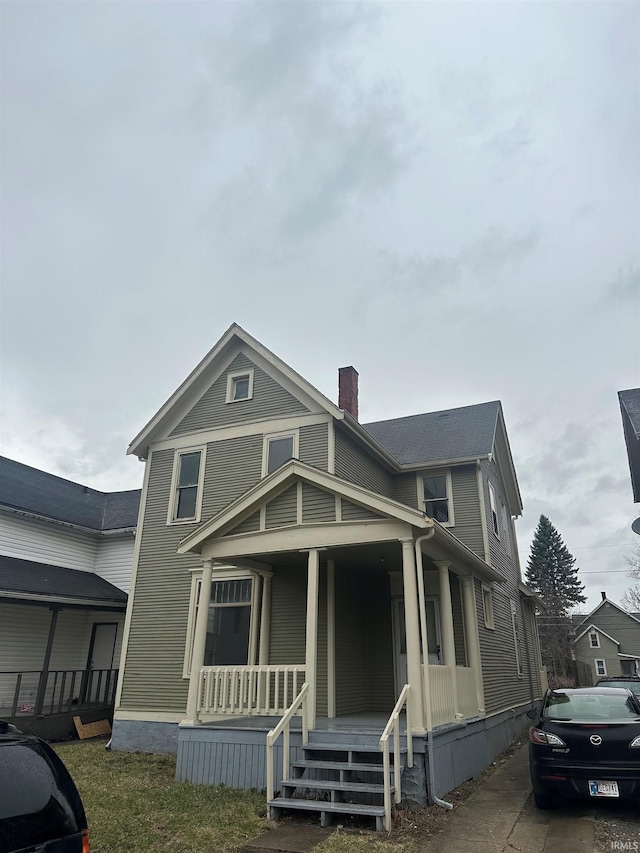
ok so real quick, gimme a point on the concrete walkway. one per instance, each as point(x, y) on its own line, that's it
point(499, 817)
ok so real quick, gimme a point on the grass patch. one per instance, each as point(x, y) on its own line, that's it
point(133, 803)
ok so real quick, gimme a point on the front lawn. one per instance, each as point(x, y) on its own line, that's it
point(134, 804)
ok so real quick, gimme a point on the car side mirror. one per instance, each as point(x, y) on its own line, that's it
point(532, 714)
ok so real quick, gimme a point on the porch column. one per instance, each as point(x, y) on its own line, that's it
point(265, 620)
point(412, 628)
point(311, 645)
point(471, 633)
point(44, 673)
point(199, 643)
point(331, 639)
point(446, 620)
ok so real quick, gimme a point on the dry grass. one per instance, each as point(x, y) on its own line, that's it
point(133, 803)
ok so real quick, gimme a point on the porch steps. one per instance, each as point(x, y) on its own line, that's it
point(335, 779)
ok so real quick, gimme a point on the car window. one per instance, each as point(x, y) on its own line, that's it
point(39, 801)
point(630, 685)
point(590, 708)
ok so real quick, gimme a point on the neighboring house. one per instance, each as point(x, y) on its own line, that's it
point(66, 553)
point(630, 409)
point(608, 640)
point(283, 544)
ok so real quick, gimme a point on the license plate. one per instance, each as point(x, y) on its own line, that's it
point(603, 789)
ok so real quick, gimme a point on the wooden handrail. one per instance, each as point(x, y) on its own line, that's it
point(393, 724)
point(284, 726)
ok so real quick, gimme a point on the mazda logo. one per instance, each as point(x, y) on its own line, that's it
point(596, 740)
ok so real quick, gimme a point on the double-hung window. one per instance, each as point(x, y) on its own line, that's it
point(186, 498)
point(278, 449)
point(240, 386)
point(601, 667)
point(594, 639)
point(494, 510)
point(516, 636)
point(487, 606)
point(435, 494)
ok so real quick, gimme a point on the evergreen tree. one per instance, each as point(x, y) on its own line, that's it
point(551, 571)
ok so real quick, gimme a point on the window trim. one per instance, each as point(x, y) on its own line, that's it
point(230, 574)
point(596, 661)
point(595, 645)
point(493, 508)
point(504, 520)
point(270, 436)
point(487, 596)
point(173, 498)
point(231, 378)
point(437, 472)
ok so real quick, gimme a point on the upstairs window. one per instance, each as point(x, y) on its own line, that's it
point(279, 449)
point(240, 386)
point(494, 511)
point(436, 497)
point(594, 639)
point(187, 486)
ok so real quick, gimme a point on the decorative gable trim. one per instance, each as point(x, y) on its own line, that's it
point(612, 604)
point(599, 630)
point(266, 490)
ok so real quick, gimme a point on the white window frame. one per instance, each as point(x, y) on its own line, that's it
point(271, 436)
point(231, 574)
point(231, 384)
point(487, 599)
point(495, 522)
point(516, 637)
point(438, 472)
point(504, 520)
point(593, 645)
point(604, 666)
point(173, 500)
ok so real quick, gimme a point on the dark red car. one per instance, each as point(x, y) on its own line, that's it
point(585, 742)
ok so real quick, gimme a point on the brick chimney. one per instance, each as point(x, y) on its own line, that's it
point(348, 390)
point(604, 596)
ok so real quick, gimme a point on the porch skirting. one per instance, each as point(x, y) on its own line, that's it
point(236, 755)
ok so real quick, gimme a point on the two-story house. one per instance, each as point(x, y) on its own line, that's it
point(66, 555)
point(608, 640)
point(289, 558)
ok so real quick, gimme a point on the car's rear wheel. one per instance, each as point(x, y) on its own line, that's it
point(543, 801)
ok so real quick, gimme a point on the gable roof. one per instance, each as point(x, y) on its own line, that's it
point(202, 375)
point(29, 490)
point(630, 410)
point(43, 582)
point(450, 435)
point(612, 604)
point(599, 631)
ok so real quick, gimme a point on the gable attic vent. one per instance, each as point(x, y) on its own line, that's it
point(348, 390)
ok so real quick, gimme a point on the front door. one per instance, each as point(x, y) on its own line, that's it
point(96, 686)
point(433, 638)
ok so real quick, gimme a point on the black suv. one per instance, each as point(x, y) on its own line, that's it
point(40, 808)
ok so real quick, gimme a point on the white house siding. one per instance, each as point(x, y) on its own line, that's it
point(29, 539)
point(114, 559)
point(24, 631)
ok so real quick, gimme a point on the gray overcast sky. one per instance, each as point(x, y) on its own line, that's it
point(445, 195)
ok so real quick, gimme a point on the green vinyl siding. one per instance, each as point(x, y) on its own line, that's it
point(405, 490)
point(502, 549)
point(270, 400)
point(249, 525)
point(283, 509)
point(608, 652)
point(353, 512)
point(314, 445)
point(155, 652)
point(354, 464)
point(466, 508)
point(458, 620)
point(317, 505)
point(617, 624)
point(232, 467)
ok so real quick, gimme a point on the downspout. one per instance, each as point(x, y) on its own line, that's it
point(425, 668)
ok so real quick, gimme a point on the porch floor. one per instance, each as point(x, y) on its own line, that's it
point(371, 723)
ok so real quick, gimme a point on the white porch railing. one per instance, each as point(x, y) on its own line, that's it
point(248, 690)
point(283, 727)
point(394, 725)
point(442, 693)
